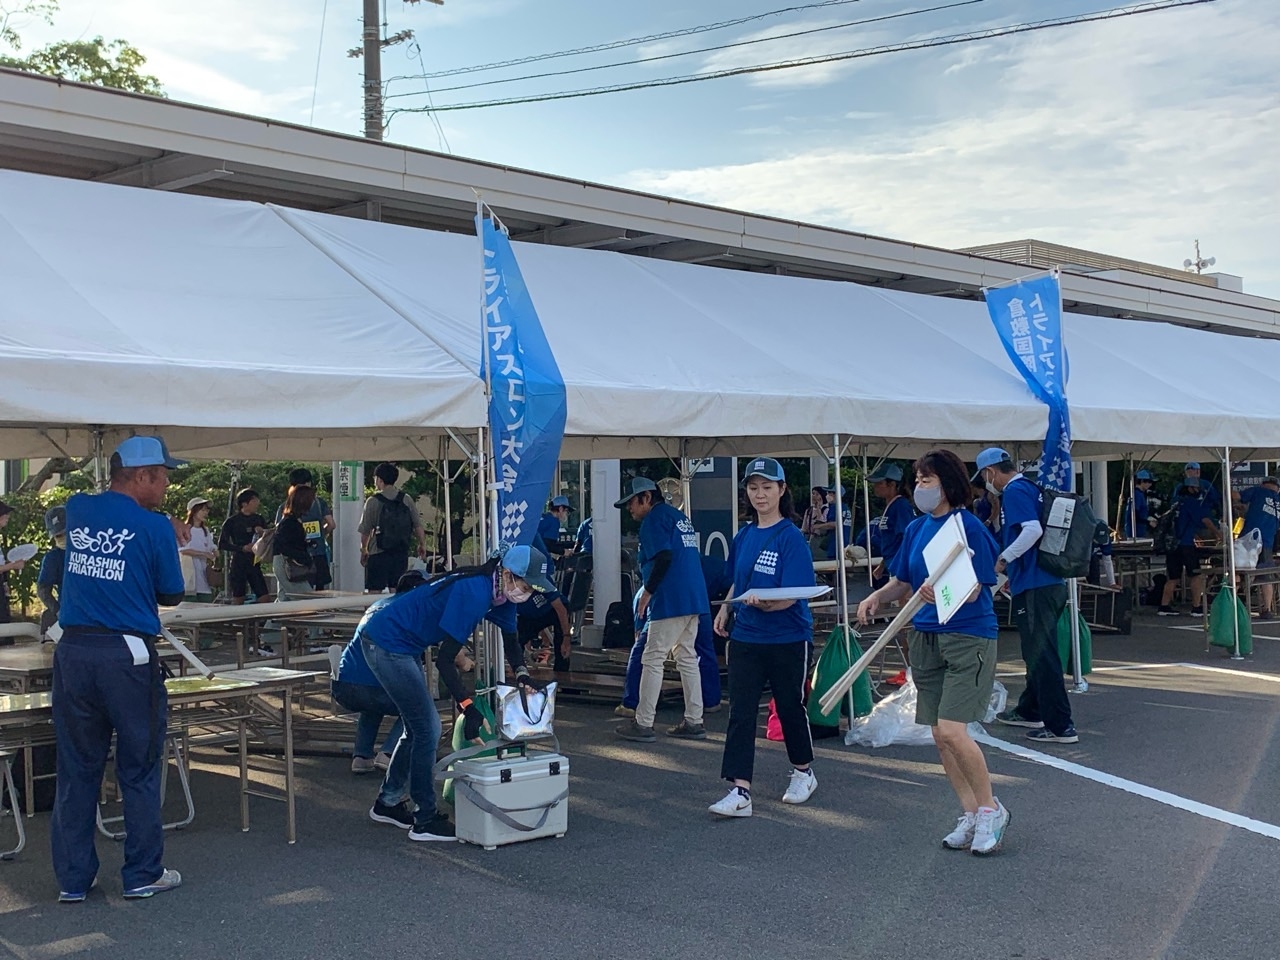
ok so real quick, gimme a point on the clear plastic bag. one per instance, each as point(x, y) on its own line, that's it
point(1248, 549)
point(893, 721)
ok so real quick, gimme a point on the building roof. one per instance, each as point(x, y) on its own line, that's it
point(86, 132)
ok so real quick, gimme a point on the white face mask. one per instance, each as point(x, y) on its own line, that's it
point(991, 489)
point(927, 499)
point(517, 591)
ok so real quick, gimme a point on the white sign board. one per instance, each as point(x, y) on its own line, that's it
point(952, 586)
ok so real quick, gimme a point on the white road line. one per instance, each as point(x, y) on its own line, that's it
point(1138, 789)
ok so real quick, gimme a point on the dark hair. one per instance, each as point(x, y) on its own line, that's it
point(785, 505)
point(821, 490)
point(655, 496)
point(1005, 466)
point(245, 495)
point(5, 509)
point(951, 474)
point(299, 501)
point(388, 473)
point(300, 476)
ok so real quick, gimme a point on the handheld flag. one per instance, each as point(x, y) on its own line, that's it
point(526, 391)
point(1028, 317)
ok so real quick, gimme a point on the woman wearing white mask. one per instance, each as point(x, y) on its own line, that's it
point(953, 666)
point(395, 633)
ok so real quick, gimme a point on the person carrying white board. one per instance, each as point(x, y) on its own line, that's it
point(953, 663)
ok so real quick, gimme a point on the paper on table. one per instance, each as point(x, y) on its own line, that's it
point(782, 593)
point(953, 585)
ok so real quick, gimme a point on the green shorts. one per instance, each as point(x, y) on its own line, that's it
point(954, 674)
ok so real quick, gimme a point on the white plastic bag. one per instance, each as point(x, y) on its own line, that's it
point(893, 720)
point(1248, 549)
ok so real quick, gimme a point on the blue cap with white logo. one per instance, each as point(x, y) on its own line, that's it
point(766, 467)
point(145, 452)
point(1191, 465)
point(990, 457)
point(527, 564)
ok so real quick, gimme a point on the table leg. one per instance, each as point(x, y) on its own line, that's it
point(244, 776)
point(291, 818)
point(29, 780)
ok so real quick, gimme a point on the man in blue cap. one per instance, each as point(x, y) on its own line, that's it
point(886, 483)
point(547, 540)
point(1137, 508)
point(122, 561)
point(1196, 507)
point(673, 596)
point(1038, 600)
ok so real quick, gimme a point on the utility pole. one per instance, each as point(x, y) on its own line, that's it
point(371, 50)
point(372, 71)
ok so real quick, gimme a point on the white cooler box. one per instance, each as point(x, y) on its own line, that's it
point(509, 799)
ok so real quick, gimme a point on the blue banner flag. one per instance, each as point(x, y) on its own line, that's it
point(526, 392)
point(1028, 318)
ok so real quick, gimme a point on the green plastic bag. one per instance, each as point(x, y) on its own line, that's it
point(1220, 631)
point(482, 703)
point(831, 666)
point(1064, 644)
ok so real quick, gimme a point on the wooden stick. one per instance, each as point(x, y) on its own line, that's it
point(831, 698)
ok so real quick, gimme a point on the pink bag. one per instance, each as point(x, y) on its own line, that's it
point(773, 729)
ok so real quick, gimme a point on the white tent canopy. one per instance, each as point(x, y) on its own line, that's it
point(260, 332)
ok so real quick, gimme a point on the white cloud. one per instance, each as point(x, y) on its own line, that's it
point(1132, 137)
point(196, 83)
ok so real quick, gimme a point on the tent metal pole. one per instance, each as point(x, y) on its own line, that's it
point(448, 506)
point(866, 511)
point(842, 587)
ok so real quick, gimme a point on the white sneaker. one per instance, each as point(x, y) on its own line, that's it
point(988, 832)
point(736, 803)
point(801, 787)
point(961, 838)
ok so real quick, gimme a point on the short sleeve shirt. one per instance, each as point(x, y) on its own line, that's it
point(683, 591)
point(51, 566)
point(776, 556)
point(976, 618)
point(120, 556)
point(1019, 504)
point(372, 514)
point(1263, 513)
point(897, 516)
point(411, 622)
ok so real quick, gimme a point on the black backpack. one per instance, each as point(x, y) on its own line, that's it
point(1166, 534)
point(619, 626)
point(1071, 531)
point(395, 523)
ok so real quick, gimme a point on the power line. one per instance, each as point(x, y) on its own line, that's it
point(689, 53)
point(1110, 14)
point(631, 42)
point(315, 84)
point(414, 50)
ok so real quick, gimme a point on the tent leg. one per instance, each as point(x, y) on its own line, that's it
point(1073, 604)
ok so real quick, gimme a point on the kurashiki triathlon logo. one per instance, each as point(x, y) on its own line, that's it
point(98, 553)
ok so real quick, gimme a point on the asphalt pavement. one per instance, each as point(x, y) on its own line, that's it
point(1089, 869)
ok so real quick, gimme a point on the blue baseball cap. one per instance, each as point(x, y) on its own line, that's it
point(559, 502)
point(1191, 465)
point(990, 457)
point(145, 452)
point(888, 471)
point(1143, 475)
point(766, 467)
point(528, 564)
point(638, 485)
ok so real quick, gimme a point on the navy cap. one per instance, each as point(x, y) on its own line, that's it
point(528, 564)
point(1271, 480)
point(559, 502)
point(1191, 465)
point(1143, 475)
point(146, 452)
point(888, 471)
point(638, 485)
point(766, 467)
point(990, 457)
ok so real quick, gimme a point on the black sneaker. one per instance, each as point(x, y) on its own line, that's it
point(1198, 611)
point(1045, 735)
point(630, 730)
point(1012, 718)
point(1167, 612)
point(398, 815)
point(437, 828)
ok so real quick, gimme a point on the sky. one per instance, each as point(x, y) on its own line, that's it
point(1134, 136)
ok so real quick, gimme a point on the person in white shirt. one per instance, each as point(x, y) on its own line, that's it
point(198, 552)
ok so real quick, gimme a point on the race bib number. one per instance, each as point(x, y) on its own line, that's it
point(312, 528)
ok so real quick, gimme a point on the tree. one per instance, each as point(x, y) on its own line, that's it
point(106, 63)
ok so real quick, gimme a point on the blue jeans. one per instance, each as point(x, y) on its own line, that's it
point(708, 667)
point(98, 689)
point(402, 678)
point(372, 703)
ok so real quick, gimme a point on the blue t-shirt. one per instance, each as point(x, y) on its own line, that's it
point(411, 622)
point(1263, 514)
point(893, 523)
point(548, 533)
point(982, 509)
point(51, 567)
point(1193, 509)
point(1019, 504)
point(1139, 508)
point(976, 618)
point(119, 557)
point(583, 542)
point(354, 668)
point(537, 606)
point(846, 516)
point(683, 591)
point(776, 556)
